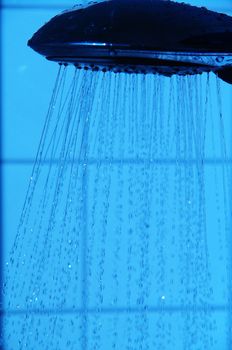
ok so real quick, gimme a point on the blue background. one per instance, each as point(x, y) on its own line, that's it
point(28, 81)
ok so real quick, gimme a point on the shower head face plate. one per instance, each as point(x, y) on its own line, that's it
point(148, 36)
point(118, 59)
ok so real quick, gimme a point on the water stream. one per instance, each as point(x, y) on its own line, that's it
point(124, 233)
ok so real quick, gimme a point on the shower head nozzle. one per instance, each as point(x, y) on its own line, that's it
point(139, 36)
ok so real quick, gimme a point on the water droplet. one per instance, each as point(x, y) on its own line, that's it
point(220, 59)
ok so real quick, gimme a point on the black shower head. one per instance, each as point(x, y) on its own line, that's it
point(142, 36)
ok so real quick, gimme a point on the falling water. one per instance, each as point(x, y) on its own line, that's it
point(123, 237)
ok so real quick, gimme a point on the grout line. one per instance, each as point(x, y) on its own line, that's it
point(84, 260)
point(138, 161)
point(230, 243)
point(120, 310)
point(229, 334)
point(1, 188)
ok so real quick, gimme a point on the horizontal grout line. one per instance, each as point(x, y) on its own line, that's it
point(126, 161)
point(120, 310)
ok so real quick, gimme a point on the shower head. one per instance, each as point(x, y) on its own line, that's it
point(139, 36)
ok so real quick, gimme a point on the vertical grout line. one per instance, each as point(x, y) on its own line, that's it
point(230, 231)
point(1, 188)
point(84, 259)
